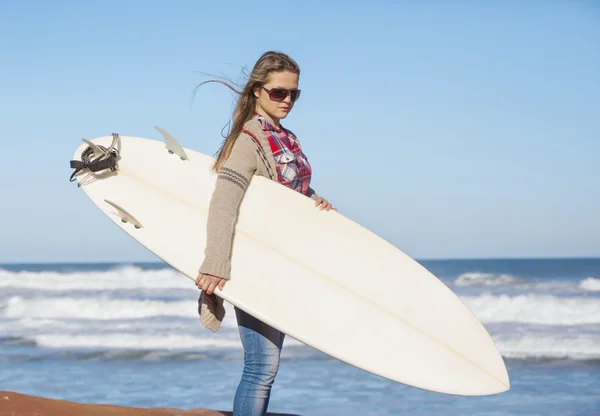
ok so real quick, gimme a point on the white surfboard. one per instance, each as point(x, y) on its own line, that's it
point(315, 275)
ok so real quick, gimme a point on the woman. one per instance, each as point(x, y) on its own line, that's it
point(257, 145)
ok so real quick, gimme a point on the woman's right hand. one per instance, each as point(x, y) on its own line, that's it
point(209, 283)
point(323, 204)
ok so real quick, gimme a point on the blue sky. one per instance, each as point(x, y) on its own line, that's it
point(467, 130)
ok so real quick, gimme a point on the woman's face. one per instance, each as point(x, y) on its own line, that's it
point(276, 110)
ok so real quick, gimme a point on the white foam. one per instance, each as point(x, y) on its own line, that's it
point(126, 277)
point(486, 279)
point(144, 341)
point(530, 309)
point(96, 308)
point(576, 347)
point(75, 312)
point(535, 309)
point(590, 285)
point(134, 341)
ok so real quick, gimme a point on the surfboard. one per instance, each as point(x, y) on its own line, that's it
point(315, 275)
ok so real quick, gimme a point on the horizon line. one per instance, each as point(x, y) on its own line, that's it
point(125, 262)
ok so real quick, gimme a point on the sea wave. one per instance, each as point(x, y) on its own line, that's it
point(170, 342)
point(134, 341)
point(590, 284)
point(486, 279)
point(574, 347)
point(528, 309)
point(188, 346)
point(135, 278)
point(126, 277)
point(96, 308)
point(534, 309)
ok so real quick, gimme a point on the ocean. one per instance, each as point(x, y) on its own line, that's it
point(129, 334)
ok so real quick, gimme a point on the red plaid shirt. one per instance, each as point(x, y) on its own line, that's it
point(293, 169)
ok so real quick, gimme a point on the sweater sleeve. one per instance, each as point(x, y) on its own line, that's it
point(311, 193)
point(232, 181)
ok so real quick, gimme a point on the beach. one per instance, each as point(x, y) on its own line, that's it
point(13, 404)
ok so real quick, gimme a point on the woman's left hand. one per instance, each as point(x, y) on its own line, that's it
point(323, 204)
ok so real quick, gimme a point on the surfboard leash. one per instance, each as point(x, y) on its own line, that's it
point(96, 158)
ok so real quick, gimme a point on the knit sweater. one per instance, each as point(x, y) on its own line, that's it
point(251, 155)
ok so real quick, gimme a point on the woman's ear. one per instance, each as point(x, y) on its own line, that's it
point(255, 91)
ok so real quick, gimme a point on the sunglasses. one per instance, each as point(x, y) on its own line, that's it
point(280, 94)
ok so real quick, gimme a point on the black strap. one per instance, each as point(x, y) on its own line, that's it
point(108, 162)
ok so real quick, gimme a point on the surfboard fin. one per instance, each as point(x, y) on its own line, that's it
point(126, 217)
point(97, 152)
point(171, 144)
point(115, 139)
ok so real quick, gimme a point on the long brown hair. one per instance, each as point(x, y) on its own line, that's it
point(271, 61)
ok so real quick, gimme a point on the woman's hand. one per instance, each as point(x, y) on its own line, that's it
point(323, 204)
point(209, 283)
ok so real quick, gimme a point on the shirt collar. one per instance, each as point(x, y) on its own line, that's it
point(266, 125)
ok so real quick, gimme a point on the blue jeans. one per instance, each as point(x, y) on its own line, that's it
point(262, 348)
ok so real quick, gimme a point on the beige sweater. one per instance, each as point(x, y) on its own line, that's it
point(248, 157)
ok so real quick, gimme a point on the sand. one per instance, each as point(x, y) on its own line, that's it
point(15, 404)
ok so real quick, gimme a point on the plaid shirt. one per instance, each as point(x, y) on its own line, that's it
point(293, 169)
